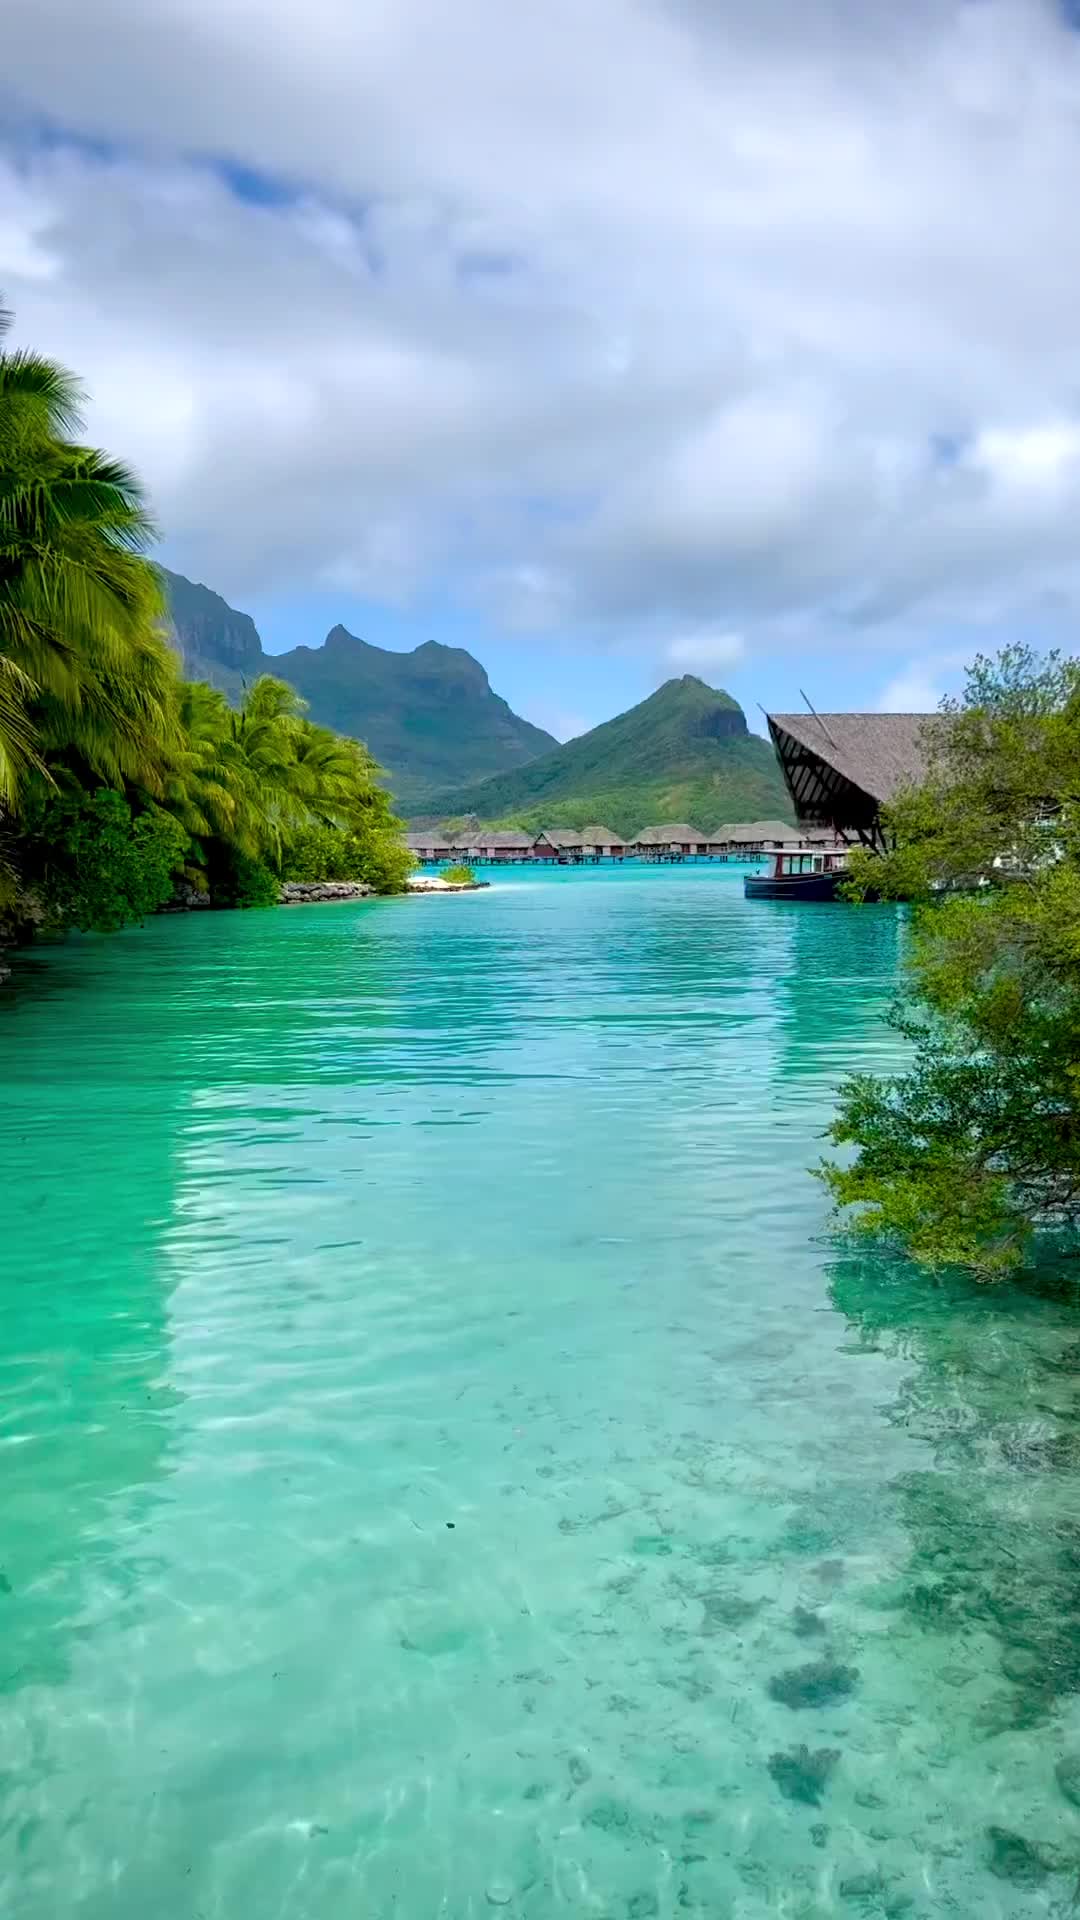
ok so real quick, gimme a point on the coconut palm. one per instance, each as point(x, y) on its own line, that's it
point(85, 666)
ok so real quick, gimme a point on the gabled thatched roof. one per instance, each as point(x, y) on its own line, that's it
point(824, 756)
point(564, 837)
point(501, 837)
point(674, 836)
point(419, 841)
point(601, 837)
point(753, 831)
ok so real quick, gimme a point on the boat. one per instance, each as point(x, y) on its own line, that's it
point(799, 873)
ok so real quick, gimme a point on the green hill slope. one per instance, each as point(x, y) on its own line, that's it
point(683, 754)
point(430, 717)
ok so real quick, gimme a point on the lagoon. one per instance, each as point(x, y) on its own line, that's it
point(450, 1463)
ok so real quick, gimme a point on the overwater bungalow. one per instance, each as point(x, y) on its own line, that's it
point(501, 846)
point(758, 836)
point(562, 844)
point(678, 842)
point(601, 844)
point(842, 768)
point(570, 847)
point(429, 845)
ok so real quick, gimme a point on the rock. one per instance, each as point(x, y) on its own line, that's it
point(726, 1611)
point(807, 1624)
point(1067, 1773)
point(186, 898)
point(302, 893)
point(499, 1893)
point(815, 1685)
point(1014, 1859)
point(819, 1834)
point(579, 1770)
point(862, 1886)
point(802, 1775)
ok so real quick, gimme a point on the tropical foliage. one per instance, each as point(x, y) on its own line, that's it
point(117, 778)
point(459, 876)
point(976, 1148)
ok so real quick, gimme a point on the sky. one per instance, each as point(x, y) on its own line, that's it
point(612, 339)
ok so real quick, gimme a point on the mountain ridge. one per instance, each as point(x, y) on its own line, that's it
point(684, 753)
point(430, 716)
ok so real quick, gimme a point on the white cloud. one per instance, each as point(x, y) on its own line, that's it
point(916, 689)
point(698, 652)
point(646, 319)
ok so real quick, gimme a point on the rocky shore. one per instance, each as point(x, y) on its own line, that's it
point(301, 893)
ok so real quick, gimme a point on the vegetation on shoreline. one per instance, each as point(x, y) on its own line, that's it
point(974, 1149)
point(119, 781)
point(459, 876)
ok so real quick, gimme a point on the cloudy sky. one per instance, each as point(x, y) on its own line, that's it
point(610, 338)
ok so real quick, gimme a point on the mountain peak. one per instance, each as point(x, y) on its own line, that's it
point(684, 753)
point(429, 716)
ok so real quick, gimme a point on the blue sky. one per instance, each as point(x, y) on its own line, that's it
point(610, 342)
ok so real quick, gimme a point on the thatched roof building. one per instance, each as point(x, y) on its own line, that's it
point(680, 835)
point(501, 840)
point(842, 768)
point(758, 833)
point(594, 839)
point(563, 839)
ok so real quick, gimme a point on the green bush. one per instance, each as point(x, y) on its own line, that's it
point(89, 862)
point(372, 851)
point(459, 876)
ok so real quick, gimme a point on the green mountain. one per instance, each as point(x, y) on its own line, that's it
point(430, 716)
point(684, 754)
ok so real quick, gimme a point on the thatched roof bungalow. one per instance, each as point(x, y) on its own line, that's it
point(429, 843)
point(601, 843)
point(758, 836)
point(501, 843)
point(670, 842)
point(842, 768)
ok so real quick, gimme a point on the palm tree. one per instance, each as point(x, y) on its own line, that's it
point(85, 666)
point(250, 776)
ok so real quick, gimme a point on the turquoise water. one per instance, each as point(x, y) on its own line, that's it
point(448, 1464)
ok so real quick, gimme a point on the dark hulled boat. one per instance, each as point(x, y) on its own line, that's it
point(799, 873)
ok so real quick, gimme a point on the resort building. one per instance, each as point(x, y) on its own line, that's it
point(430, 844)
point(558, 843)
point(590, 844)
point(679, 842)
point(842, 768)
point(601, 844)
point(754, 836)
point(500, 845)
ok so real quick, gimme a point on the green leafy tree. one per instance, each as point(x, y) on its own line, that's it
point(976, 1147)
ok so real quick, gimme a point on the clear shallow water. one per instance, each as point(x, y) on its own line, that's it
point(437, 1430)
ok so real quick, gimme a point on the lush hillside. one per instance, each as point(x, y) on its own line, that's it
point(429, 717)
point(683, 754)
